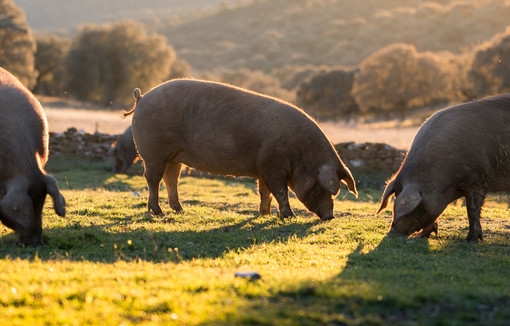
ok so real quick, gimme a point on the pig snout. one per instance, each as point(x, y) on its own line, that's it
point(401, 226)
point(325, 209)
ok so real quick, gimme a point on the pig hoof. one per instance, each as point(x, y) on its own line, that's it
point(282, 215)
point(327, 218)
point(473, 237)
point(177, 208)
point(265, 212)
point(156, 211)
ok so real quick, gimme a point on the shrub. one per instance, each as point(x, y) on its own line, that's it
point(397, 78)
point(17, 45)
point(490, 70)
point(106, 62)
point(328, 94)
point(254, 80)
point(49, 63)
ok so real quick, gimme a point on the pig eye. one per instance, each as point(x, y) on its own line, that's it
point(15, 208)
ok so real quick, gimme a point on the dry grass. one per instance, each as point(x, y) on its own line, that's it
point(63, 114)
point(399, 137)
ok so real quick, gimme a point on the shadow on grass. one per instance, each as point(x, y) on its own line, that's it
point(110, 242)
point(404, 282)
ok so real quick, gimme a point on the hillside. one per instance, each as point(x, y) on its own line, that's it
point(262, 34)
point(269, 34)
point(65, 16)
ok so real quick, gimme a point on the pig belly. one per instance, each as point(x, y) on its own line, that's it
point(219, 164)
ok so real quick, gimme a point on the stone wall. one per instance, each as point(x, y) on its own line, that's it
point(371, 157)
point(79, 143)
point(375, 158)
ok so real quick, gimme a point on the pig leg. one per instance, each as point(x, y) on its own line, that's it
point(171, 178)
point(265, 198)
point(427, 231)
point(278, 187)
point(153, 174)
point(474, 203)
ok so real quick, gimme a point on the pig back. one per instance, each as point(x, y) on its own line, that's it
point(222, 129)
point(467, 144)
point(23, 126)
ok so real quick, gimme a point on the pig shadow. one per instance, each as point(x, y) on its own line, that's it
point(117, 240)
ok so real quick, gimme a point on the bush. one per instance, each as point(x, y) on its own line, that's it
point(17, 45)
point(490, 70)
point(49, 62)
point(180, 69)
point(328, 95)
point(254, 80)
point(397, 78)
point(106, 62)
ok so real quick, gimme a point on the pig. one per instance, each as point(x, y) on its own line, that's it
point(24, 183)
point(226, 130)
point(461, 151)
point(124, 152)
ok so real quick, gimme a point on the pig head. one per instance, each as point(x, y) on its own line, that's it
point(124, 152)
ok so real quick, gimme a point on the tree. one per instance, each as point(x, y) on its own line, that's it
point(397, 78)
point(17, 45)
point(105, 63)
point(490, 70)
point(328, 94)
point(49, 63)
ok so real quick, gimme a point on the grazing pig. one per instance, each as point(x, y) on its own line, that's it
point(226, 130)
point(124, 152)
point(24, 152)
point(462, 151)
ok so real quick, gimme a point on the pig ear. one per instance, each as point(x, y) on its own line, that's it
point(407, 200)
point(349, 181)
point(328, 179)
point(390, 190)
point(58, 200)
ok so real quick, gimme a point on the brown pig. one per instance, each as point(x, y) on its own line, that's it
point(23, 154)
point(124, 152)
point(462, 151)
point(227, 130)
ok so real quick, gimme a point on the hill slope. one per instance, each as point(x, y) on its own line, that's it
point(63, 15)
point(268, 34)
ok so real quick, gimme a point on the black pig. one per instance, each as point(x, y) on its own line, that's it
point(462, 151)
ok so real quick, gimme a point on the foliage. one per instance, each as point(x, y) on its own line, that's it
point(254, 80)
point(17, 45)
point(263, 35)
point(49, 63)
point(490, 71)
point(397, 78)
point(328, 95)
point(106, 62)
point(109, 262)
point(179, 69)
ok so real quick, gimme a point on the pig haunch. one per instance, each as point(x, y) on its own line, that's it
point(462, 151)
point(226, 130)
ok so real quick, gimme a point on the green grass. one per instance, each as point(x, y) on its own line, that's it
point(108, 262)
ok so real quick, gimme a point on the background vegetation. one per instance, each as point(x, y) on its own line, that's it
point(427, 51)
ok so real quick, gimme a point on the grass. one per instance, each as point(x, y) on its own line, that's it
point(109, 262)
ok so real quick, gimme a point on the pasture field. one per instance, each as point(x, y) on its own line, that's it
point(110, 263)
